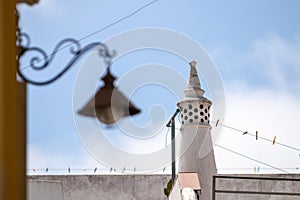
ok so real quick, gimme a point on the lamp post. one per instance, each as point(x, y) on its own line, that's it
point(171, 124)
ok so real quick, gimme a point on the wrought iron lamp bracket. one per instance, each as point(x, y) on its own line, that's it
point(42, 60)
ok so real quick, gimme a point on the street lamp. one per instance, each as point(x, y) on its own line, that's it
point(108, 105)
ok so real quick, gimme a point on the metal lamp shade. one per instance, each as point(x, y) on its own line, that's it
point(109, 104)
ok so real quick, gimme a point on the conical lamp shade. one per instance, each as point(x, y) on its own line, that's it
point(109, 104)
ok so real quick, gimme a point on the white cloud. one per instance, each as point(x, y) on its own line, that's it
point(271, 107)
point(271, 61)
point(280, 58)
point(271, 114)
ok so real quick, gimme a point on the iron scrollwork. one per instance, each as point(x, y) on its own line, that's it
point(43, 60)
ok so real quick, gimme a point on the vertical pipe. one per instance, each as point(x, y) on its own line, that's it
point(173, 149)
point(171, 124)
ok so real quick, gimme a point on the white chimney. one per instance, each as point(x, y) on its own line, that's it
point(196, 135)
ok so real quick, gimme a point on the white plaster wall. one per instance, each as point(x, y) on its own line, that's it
point(107, 187)
point(144, 187)
point(259, 185)
point(45, 190)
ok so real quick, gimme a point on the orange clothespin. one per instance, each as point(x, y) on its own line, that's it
point(274, 140)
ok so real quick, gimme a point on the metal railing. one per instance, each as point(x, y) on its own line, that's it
point(253, 192)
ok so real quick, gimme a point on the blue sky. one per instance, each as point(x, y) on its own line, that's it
point(255, 46)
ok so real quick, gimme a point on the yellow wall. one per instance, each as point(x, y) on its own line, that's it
point(12, 111)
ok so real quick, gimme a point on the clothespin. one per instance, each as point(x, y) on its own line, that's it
point(69, 169)
point(164, 169)
point(134, 169)
point(110, 169)
point(47, 169)
point(245, 133)
point(34, 170)
point(274, 140)
point(256, 135)
point(217, 122)
point(95, 169)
